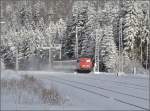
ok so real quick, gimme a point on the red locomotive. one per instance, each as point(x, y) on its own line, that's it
point(84, 64)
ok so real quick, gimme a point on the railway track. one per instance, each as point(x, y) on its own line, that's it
point(72, 84)
point(101, 88)
point(135, 77)
point(129, 85)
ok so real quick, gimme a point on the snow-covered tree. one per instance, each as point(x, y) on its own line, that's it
point(85, 27)
point(68, 41)
point(81, 23)
point(143, 31)
point(37, 13)
point(61, 28)
point(130, 27)
point(88, 43)
point(29, 26)
point(108, 50)
point(50, 32)
point(77, 19)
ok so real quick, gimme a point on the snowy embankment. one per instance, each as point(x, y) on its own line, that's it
point(26, 90)
point(70, 91)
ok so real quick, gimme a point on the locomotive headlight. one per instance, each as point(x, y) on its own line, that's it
point(88, 61)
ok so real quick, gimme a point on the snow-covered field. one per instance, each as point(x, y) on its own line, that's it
point(83, 91)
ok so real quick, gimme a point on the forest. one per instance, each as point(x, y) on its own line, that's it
point(118, 30)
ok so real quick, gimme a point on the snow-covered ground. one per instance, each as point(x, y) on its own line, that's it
point(87, 91)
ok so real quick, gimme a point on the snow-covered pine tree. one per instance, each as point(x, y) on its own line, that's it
point(68, 41)
point(86, 20)
point(50, 34)
point(82, 37)
point(38, 6)
point(130, 27)
point(108, 50)
point(143, 32)
point(81, 20)
point(78, 19)
point(88, 38)
point(61, 28)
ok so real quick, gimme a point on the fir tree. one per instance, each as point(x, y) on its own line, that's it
point(68, 42)
point(143, 32)
point(78, 19)
point(130, 27)
point(108, 50)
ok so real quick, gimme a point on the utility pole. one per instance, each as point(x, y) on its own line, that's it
point(50, 58)
point(1, 42)
point(97, 43)
point(1, 67)
point(147, 53)
point(60, 49)
point(96, 68)
point(141, 52)
point(17, 62)
point(76, 45)
point(120, 47)
point(60, 52)
point(97, 40)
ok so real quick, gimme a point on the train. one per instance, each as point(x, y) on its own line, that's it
point(85, 64)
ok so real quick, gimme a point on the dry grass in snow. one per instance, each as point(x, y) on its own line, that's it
point(28, 90)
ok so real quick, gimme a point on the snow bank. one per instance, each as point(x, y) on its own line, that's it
point(17, 88)
point(10, 74)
